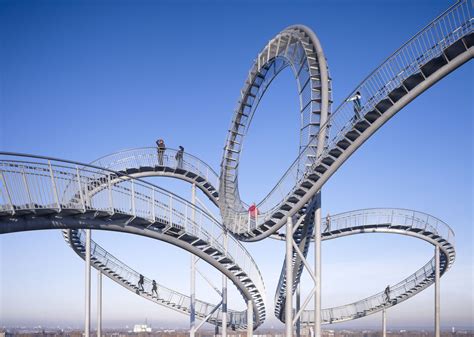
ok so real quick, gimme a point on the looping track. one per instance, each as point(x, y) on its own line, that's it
point(47, 193)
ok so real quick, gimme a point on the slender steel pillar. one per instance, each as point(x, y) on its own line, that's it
point(289, 278)
point(87, 323)
point(317, 266)
point(192, 316)
point(224, 295)
point(437, 298)
point(99, 304)
point(298, 306)
point(249, 318)
point(384, 323)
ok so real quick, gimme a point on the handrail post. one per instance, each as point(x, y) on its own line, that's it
point(192, 323)
point(80, 190)
point(55, 191)
point(26, 186)
point(133, 197)
point(153, 204)
point(111, 204)
point(12, 208)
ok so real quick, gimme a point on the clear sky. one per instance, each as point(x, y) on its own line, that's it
point(80, 79)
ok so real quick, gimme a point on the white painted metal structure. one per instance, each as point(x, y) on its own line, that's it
point(46, 193)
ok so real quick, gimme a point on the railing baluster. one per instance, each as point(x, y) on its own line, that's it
point(53, 184)
point(80, 190)
point(12, 208)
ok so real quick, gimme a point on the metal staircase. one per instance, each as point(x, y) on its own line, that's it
point(46, 193)
point(391, 221)
point(442, 46)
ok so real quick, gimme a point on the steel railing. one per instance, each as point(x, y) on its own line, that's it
point(166, 296)
point(396, 219)
point(148, 157)
point(34, 183)
point(449, 27)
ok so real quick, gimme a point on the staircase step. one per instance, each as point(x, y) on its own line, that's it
point(455, 49)
point(413, 81)
point(343, 144)
point(430, 67)
point(383, 105)
point(352, 135)
point(397, 93)
point(469, 40)
point(372, 116)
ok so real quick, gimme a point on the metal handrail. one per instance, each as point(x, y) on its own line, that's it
point(137, 157)
point(48, 180)
point(165, 294)
point(387, 217)
point(447, 28)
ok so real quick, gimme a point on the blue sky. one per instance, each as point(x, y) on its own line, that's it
point(82, 79)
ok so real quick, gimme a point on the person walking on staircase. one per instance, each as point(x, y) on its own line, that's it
point(141, 281)
point(357, 105)
point(154, 289)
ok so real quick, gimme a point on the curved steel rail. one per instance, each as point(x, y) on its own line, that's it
point(441, 47)
point(46, 193)
point(145, 162)
point(392, 221)
point(121, 273)
point(296, 47)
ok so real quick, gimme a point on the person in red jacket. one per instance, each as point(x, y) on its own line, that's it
point(253, 211)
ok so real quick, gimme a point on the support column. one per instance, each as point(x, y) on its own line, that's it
point(298, 306)
point(384, 323)
point(87, 323)
point(99, 304)
point(317, 266)
point(289, 278)
point(249, 318)
point(192, 316)
point(437, 298)
point(224, 294)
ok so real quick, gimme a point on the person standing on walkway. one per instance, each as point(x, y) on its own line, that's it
point(154, 289)
point(357, 105)
point(179, 157)
point(161, 150)
point(328, 223)
point(387, 294)
point(141, 280)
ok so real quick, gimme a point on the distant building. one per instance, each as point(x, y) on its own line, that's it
point(137, 328)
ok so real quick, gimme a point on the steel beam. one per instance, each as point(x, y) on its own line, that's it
point(289, 278)
point(298, 305)
point(87, 323)
point(384, 322)
point(99, 304)
point(224, 294)
point(437, 296)
point(317, 266)
point(192, 316)
point(249, 318)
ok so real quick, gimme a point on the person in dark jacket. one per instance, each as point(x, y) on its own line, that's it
point(141, 280)
point(161, 150)
point(357, 105)
point(387, 294)
point(179, 157)
point(154, 289)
